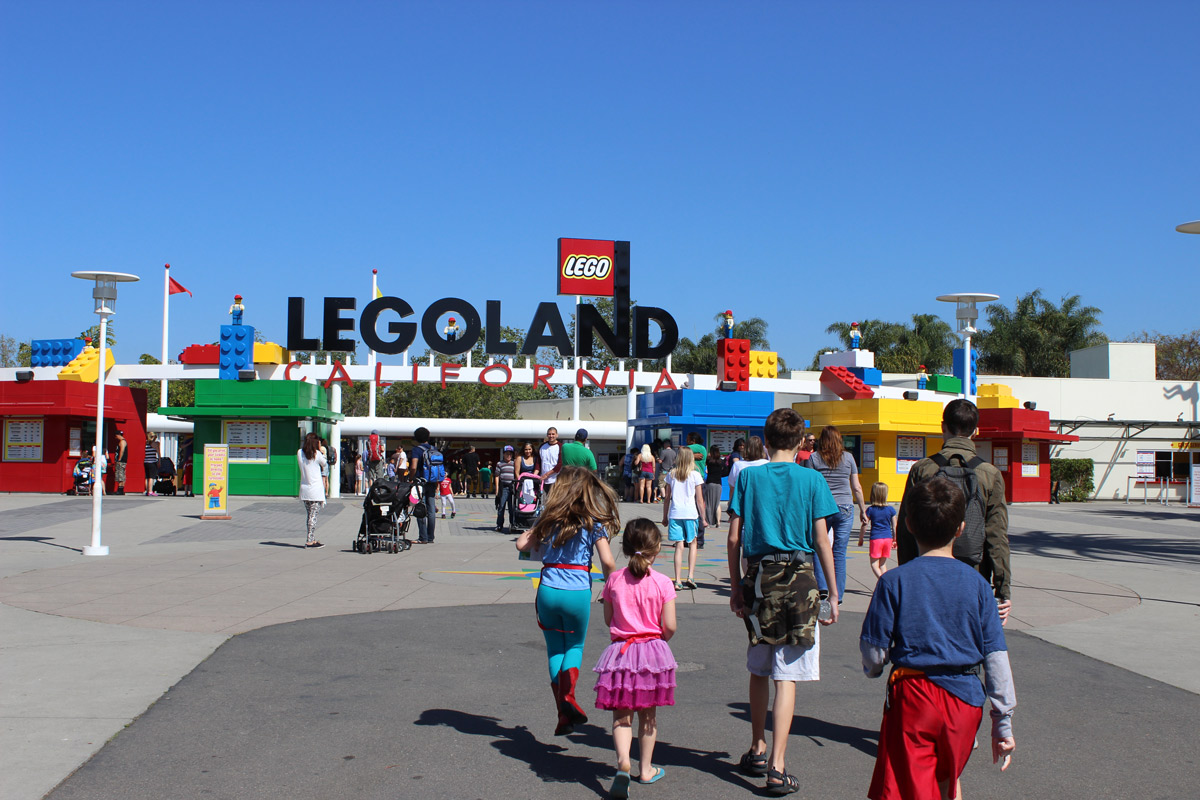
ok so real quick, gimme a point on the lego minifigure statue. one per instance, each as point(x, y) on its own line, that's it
point(727, 321)
point(451, 330)
point(855, 336)
point(236, 309)
point(922, 378)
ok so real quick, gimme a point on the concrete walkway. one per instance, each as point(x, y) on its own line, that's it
point(90, 643)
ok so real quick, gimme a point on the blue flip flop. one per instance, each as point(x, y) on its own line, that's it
point(620, 785)
point(658, 775)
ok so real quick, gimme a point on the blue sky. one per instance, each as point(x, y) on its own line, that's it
point(803, 162)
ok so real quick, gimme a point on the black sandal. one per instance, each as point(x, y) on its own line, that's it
point(752, 764)
point(788, 783)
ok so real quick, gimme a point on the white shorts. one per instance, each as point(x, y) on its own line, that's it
point(786, 662)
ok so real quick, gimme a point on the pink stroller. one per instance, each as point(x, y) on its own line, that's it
point(528, 501)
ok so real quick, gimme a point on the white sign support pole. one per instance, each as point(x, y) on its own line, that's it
point(96, 548)
point(162, 385)
point(371, 353)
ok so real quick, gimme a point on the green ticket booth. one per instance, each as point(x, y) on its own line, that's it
point(263, 422)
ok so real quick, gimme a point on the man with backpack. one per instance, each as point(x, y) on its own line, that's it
point(984, 542)
point(428, 466)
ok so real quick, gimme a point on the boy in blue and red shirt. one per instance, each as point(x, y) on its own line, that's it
point(935, 619)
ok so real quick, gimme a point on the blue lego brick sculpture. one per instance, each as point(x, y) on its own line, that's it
point(868, 375)
point(960, 367)
point(237, 350)
point(54, 352)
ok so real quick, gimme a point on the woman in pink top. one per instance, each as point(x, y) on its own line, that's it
point(637, 671)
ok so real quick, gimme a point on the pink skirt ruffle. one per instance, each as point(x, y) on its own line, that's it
point(642, 677)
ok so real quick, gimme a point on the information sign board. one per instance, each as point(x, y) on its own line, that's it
point(214, 488)
point(249, 440)
point(23, 438)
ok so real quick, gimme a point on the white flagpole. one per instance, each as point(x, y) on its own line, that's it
point(162, 384)
point(371, 353)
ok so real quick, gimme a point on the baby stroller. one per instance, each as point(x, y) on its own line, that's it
point(528, 501)
point(82, 476)
point(386, 516)
point(165, 485)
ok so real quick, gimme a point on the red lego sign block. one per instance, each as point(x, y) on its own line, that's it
point(733, 362)
point(845, 384)
point(585, 267)
point(200, 354)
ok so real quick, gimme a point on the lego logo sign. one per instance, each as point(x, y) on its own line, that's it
point(585, 267)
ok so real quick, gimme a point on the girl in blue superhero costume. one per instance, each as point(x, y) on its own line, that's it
point(580, 515)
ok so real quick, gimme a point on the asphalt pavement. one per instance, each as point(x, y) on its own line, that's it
point(214, 659)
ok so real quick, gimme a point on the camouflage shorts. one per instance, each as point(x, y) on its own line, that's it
point(786, 611)
point(120, 472)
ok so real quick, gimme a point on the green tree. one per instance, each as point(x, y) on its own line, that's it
point(10, 352)
point(180, 394)
point(1035, 337)
point(899, 347)
point(1177, 357)
point(93, 333)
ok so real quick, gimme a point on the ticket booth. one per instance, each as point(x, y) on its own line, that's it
point(1017, 441)
point(886, 436)
point(48, 425)
point(264, 423)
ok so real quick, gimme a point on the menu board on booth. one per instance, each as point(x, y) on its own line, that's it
point(249, 440)
point(868, 455)
point(1029, 459)
point(23, 439)
point(214, 488)
point(1194, 500)
point(724, 438)
point(1145, 464)
point(909, 450)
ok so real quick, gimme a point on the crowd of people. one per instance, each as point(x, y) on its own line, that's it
point(937, 619)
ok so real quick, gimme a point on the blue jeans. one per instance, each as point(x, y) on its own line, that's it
point(840, 525)
point(425, 524)
point(507, 498)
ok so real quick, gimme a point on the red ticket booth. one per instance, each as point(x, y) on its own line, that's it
point(1019, 440)
point(47, 426)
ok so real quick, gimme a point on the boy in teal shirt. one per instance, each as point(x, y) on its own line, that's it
point(777, 523)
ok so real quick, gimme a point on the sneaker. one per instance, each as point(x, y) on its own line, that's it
point(453, 514)
point(314, 545)
point(443, 516)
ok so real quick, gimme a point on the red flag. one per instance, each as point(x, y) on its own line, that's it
point(177, 287)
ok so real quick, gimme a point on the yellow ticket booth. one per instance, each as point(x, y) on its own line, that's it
point(885, 436)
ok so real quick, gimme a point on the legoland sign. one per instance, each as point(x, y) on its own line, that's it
point(585, 267)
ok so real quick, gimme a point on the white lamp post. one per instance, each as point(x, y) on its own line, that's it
point(966, 315)
point(105, 295)
point(1189, 227)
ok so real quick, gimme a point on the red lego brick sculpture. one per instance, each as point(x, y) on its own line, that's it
point(200, 354)
point(845, 384)
point(733, 362)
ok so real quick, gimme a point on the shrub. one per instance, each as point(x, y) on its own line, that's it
point(1076, 477)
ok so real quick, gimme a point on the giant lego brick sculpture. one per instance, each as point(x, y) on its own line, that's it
point(85, 367)
point(868, 375)
point(764, 364)
point(237, 350)
point(733, 362)
point(960, 366)
point(270, 353)
point(996, 395)
point(845, 384)
point(54, 352)
point(201, 354)
point(945, 383)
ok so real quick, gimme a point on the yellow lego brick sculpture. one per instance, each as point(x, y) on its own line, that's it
point(85, 367)
point(764, 364)
point(996, 395)
point(270, 353)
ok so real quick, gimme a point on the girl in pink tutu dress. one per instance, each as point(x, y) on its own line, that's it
point(637, 671)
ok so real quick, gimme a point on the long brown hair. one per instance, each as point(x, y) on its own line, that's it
point(641, 542)
point(580, 501)
point(312, 443)
point(830, 446)
point(754, 449)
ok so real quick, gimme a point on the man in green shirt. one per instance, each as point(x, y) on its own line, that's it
point(485, 479)
point(577, 454)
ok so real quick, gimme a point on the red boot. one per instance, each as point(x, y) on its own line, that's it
point(564, 725)
point(566, 689)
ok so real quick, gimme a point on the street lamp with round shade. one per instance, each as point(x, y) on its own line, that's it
point(105, 295)
point(966, 315)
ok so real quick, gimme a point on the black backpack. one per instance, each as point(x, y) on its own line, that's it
point(968, 547)
point(433, 465)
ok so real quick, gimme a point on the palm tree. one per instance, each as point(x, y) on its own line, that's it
point(1036, 337)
